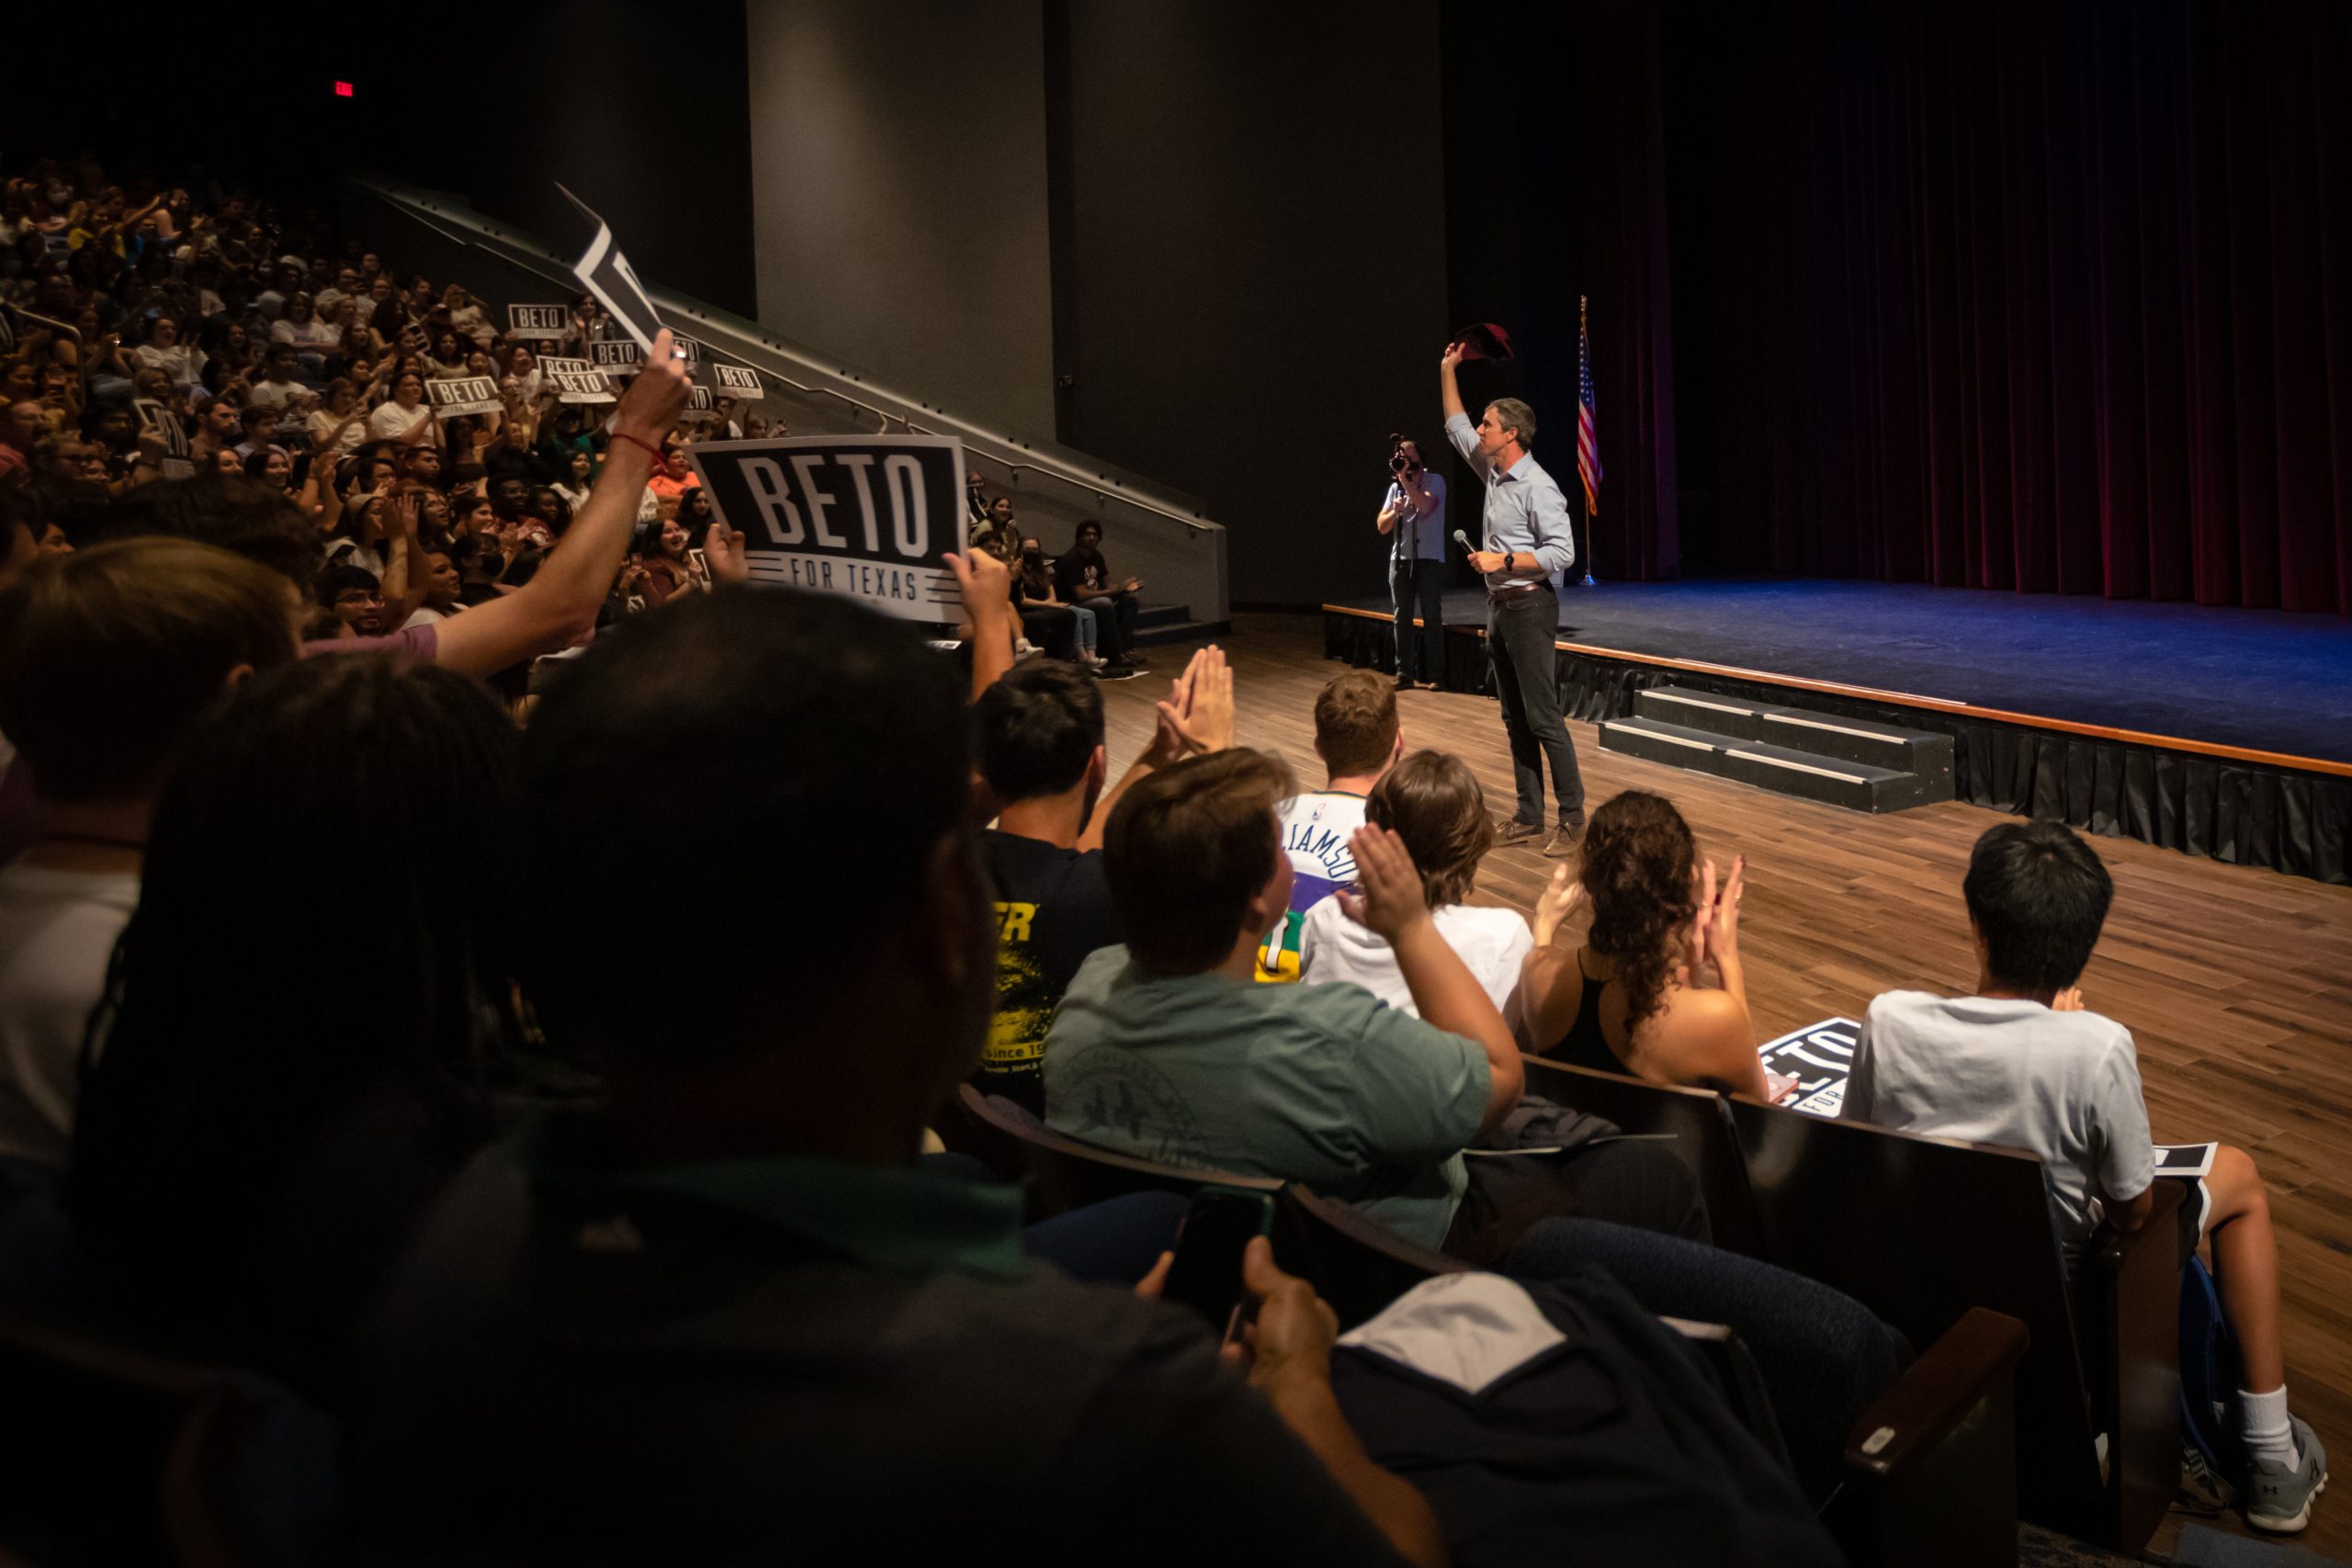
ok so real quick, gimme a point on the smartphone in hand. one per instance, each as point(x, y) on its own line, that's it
point(1206, 1273)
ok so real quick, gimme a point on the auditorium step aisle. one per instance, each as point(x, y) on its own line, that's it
point(1815, 755)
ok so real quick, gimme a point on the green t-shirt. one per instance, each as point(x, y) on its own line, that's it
point(1325, 1084)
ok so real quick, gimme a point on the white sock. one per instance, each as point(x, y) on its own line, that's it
point(2262, 1421)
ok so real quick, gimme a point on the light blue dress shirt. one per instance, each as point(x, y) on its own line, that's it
point(1525, 513)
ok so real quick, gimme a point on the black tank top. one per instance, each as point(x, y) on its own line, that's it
point(1582, 1045)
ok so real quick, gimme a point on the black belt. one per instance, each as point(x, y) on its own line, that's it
point(1513, 595)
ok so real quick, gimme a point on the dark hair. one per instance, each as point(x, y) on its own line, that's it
point(258, 462)
point(77, 506)
point(338, 581)
point(365, 1043)
point(1433, 802)
point(1638, 856)
point(256, 522)
point(831, 733)
point(1185, 851)
point(1038, 727)
point(1355, 723)
point(563, 519)
point(111, 658)
point(2039, 897)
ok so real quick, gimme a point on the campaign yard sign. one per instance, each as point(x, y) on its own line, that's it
point(551, 363)
point(617, 355)
point(1820, 1056)
point(177, 461)
point(736, 380)
point(701, 407)
point(464, 395)
point(864, 516)
point(607, 274)
point(582, 387)
point(544, 323)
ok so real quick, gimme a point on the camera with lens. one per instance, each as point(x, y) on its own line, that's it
point(1401, 460)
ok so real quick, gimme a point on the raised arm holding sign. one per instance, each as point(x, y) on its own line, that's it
point(607, 274)
point(560, 601)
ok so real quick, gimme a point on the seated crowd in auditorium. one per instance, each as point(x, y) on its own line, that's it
point(475, 963)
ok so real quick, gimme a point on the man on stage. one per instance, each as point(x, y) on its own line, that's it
point(1413, 517)
point(1527, 544)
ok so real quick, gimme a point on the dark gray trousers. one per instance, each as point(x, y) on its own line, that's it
point(1519, 634)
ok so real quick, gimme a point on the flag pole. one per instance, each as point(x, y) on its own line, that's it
point(1584, 369)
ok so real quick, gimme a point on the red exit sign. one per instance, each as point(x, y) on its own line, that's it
point(342, 89)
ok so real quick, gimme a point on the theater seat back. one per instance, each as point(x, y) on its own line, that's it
point(1919, 1230)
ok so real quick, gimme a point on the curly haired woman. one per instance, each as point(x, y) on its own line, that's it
point(1631, 999)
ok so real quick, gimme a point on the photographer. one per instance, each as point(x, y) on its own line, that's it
point(1412, 517)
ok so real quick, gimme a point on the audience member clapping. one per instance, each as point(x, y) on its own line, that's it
point(1633, 998)
point(1434, 805)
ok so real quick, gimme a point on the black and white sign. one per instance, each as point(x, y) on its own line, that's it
point(605, 273)
point(582, 387)
point(1820, 1056)
point(178, 460)
point(689, 347)
point(550, 364)
point(867, 516)
point(736, 380)
point(617, 355)
point(545, 322)
point(464, 395)
point(701, 407)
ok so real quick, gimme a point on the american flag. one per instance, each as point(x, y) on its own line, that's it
point(1587, 438)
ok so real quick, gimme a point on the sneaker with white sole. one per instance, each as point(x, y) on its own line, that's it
point(2278, 1498)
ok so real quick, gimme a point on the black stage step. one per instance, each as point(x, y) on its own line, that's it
point(1844, 761)
point(1829, 735)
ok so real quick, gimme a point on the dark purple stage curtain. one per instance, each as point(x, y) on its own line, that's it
point(1619, 223)
point(2055, 297)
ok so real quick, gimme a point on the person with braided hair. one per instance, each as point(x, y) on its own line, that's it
point(1633, 998)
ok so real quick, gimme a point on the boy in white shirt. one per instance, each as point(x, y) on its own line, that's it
point(2021, 1063)
point(1357, 736)
point(1432, 802)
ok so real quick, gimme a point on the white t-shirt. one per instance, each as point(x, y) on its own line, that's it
point(1316, 830)
point(389, 422)
point(312, 333)
point(57, 933)
point(271, 394)
point(1491, 941)
point(180, 363)
point(2062, 1085)
point(321, 424)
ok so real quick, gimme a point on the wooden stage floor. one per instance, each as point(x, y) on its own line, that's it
point(2236, 983)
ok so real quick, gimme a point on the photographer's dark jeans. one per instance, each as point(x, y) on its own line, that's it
point(1519, 634)
point(1418, 584)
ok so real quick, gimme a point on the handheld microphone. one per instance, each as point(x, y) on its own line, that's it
point(1464, 540)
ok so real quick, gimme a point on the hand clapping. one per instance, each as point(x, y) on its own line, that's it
point(1391, 899)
